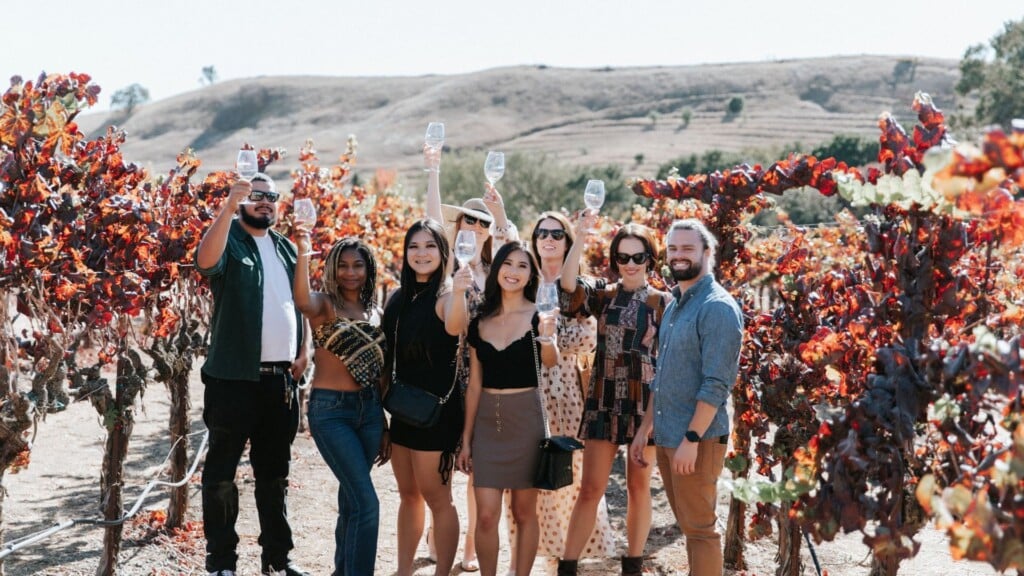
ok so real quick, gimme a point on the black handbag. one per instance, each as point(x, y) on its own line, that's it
point(411, 404)
point(554, 468)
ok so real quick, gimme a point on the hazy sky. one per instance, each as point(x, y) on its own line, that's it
point(164, 45)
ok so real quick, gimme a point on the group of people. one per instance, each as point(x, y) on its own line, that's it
point(663, 364)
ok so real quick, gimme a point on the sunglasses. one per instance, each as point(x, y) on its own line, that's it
point(638, 258)
point(542, 233)
point(472, 221)
point(259, 196)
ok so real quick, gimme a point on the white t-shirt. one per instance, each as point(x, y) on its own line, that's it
point(280, 338)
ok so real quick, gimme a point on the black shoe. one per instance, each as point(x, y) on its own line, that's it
point(632, 565)
point(291, 569)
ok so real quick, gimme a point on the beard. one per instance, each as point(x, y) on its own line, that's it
point(260, 222)
point(689, 273)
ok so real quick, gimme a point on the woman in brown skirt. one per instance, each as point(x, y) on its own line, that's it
point(504, 423)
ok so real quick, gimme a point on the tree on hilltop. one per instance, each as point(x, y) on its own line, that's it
point(129, 97)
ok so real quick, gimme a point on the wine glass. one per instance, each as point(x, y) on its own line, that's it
point(465, 246)
point(593, 196)
point(246, 165)
point(494, 166)
point(305, 216)
point(547, 302)
point(434, 138)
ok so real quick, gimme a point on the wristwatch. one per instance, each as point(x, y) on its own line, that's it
point(692, 436)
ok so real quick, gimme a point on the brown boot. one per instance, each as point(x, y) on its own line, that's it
point(632, 565)
point(567, 567)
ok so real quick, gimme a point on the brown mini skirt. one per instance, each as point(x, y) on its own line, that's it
point(506, 440)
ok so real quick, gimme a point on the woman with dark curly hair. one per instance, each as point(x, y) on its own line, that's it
point(345, 414)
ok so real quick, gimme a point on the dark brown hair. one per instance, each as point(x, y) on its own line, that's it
point(492, 291)
point(641, 233)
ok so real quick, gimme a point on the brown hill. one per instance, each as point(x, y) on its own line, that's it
point(581, 116)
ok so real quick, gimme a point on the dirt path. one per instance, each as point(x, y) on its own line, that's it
point(62, 483)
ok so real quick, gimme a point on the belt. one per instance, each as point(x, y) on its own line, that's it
point(275, 368)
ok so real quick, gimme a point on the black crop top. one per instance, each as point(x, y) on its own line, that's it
point(514, 366)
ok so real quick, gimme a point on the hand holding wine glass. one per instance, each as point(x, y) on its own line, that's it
point(547, 303)
point(494, 166)
point(305, 217)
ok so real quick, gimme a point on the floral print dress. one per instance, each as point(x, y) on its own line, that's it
point(563, 403)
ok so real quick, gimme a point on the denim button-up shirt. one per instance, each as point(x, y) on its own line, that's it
point(698, 359)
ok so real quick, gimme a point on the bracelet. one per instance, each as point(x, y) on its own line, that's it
point(502, 231)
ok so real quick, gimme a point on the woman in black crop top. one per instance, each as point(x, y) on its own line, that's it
point(504, 423)
point(422, 322)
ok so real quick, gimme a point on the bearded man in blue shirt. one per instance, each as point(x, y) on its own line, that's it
point(698, 360)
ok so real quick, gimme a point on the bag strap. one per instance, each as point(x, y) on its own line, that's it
point(394, 366)
point(540, 394)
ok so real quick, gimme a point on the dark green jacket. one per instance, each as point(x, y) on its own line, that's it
point(237, 323)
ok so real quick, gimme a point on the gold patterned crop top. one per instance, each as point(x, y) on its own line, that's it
point(358, 344)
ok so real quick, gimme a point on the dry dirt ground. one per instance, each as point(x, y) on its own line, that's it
point(62, 483)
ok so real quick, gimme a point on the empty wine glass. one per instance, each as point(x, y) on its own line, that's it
point(435, 136)
point(305, 216)
point(494, 166)
point(246, 165)
point(465, 246)
point(593, 196)
point(547, 302)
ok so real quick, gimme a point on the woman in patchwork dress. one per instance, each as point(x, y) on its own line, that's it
point(628, 313)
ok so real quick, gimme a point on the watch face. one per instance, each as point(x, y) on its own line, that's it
point(692, 436)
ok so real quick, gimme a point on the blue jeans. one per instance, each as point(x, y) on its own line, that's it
point(347, 428)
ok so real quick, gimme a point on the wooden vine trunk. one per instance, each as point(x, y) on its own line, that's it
point(179, 426)
point(735, 541)
point(788, 555)
point(119, 417)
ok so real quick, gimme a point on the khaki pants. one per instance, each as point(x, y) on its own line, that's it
point(693, 498)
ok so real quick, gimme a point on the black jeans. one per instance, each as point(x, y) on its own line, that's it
point(266, 414)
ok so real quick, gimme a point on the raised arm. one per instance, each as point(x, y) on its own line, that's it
point(571, 267)
point(432, 159)
point(455, 307)
point(307, 301)
point(215, 240)
point(502, 229)
point(548, 343)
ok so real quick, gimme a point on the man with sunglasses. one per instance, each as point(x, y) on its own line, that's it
point(698, 360)
point(258, 349)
